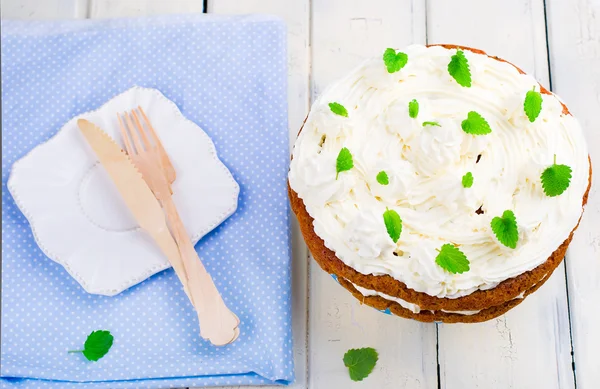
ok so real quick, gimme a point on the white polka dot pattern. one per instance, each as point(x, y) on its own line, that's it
point(228, 75)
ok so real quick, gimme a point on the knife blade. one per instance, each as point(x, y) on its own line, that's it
point(138, 197)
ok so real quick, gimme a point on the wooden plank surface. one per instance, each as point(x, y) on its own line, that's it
point(43, 9)
point(127, 8)
point(296, 14)
point(344, 32)
point(529, 347)
point(574, 43)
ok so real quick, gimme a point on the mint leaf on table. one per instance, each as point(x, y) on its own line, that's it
point(413, 109)
point(533, 104)
point(556, 179)
point(360, 362)
point(338, 109)
point(459, 69)
point(467, 180)
point(393, 224)
point(394, 61)
point(505, 229)
point(383, 178)
point(431, 124)
point(344, 162)
point(96, 345)
point(475, 124)
point(451, 259)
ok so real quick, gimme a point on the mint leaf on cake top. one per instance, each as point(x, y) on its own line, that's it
point(393, 224)
point(97, 345)
point(556, 179)
point(533, 104)
point(382, 178)
point(338, 109)
point(451, 259)
point(431, 124)
point(459, 69)
point(467, 180)
point(505, 229)
point(344, 162)
point(413, 109)
point(394, 61)
point(475, 124)
point(360, 362)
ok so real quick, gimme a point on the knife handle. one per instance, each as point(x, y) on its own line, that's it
point(167, 245)
point(217, 323)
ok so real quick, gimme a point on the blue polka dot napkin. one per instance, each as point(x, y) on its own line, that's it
point(228, 75)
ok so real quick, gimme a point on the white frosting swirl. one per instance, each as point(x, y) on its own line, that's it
point(425, 165)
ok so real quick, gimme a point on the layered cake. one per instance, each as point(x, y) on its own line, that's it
point(439, 183)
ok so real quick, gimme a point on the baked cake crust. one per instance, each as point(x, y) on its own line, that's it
point(491, 303)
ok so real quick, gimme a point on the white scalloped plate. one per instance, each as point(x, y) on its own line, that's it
point(77, 216)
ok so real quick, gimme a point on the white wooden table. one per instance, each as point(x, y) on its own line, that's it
point(550, 341)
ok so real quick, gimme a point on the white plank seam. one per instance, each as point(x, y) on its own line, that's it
point(548, 49)
point(570, 320)
point(437, 356)
point(550, 87)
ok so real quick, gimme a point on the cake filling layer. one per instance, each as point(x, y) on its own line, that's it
point(425, 159)
point(414, 308)
point(405, 304)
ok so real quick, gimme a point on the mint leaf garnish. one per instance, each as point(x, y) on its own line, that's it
point(475, 124)
point(505, 229)
point(413, 108)
point(459, 69)
point(467, 180)
point(431, 124)
point(382, 178)
point(394, 61)
point(451, 259)
point(338, 109)
point(97, 345)
point(344, 162)
point(533, 104)
point(556, 179)
point(393, 224)
point(360, 362)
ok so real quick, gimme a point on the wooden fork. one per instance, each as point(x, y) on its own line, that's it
point(217, 323)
